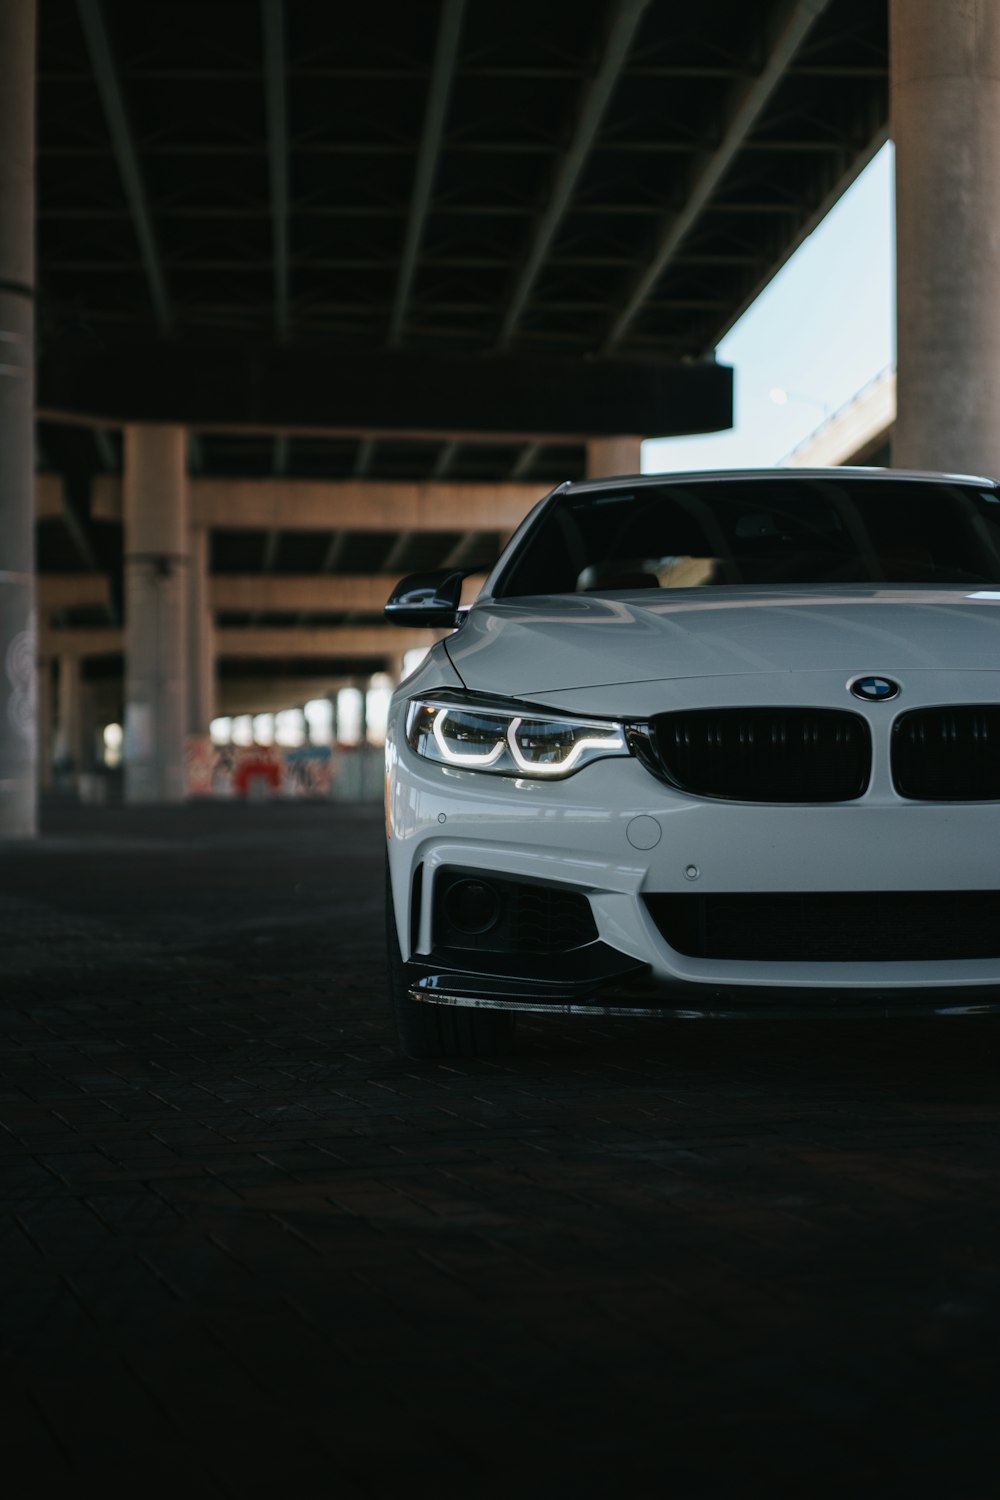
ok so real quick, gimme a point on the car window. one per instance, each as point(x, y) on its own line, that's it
point(712, 533)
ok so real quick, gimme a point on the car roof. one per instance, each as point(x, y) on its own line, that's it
point(842, 471)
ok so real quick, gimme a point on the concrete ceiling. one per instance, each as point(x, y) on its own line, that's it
point(579, 197)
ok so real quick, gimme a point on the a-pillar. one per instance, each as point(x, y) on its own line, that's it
point(201, 637)
point(609, 456)
point(18, 754)
point(69, 715)
point(945, 104)
point(156, 612)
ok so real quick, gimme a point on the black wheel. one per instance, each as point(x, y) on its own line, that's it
point(439, 1030)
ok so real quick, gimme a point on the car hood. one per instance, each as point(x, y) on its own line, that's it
point(532, 646)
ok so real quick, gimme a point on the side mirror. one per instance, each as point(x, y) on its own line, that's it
point(427, 599)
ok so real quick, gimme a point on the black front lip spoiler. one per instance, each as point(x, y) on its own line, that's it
point(596, 980)
point(572, 975)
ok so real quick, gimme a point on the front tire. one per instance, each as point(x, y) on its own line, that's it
point(427, 1030)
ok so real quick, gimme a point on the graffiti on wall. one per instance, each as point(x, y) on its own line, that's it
point(257, 772)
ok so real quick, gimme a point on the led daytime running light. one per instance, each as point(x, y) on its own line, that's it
point(558, 767)
point(459, 757)
point(502, 742)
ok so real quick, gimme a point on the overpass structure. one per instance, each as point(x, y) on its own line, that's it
point(299, 298)
point(860, 432)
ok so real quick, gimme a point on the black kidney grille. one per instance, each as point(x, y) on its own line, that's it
point(948, 754)
point(763, 754)
point(832, 927)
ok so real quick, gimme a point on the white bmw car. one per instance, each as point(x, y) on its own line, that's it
point(704, 745)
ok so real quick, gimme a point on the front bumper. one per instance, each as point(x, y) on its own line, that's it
point(615, 833)
point(595, 980)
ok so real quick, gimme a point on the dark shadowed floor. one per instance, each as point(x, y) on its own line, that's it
point(247, 1250)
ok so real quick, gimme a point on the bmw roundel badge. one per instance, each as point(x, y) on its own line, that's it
point(874, 689)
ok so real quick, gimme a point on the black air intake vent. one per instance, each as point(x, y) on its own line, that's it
point(948, 754)
point(495, 914)
point(832, 926)
point(762, 754)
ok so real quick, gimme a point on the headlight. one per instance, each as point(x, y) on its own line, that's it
point(508, 743)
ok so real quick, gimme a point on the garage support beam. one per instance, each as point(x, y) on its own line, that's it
point(273, 36)
point(331, 641)
point(18, 728)
point(328, 642)
point(316, 593)
point(263, 695)
point(49, 492)
point(797, 20)
point(72, 591)
point(445, 57)
point(46, 720)
point(341, 505)
point(102, 60)
point(945, 89)
point(69, 715)
point(294, 388)
point(156, 613)
point(607, 457)
point(201, 636)
point(618, 43)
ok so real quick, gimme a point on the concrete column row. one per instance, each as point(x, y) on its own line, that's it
point(169, 629)
point(170, 688)
point(169, 647)
point(18, 708)
point(945, 97)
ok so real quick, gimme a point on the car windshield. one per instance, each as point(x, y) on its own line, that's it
point(697, 533)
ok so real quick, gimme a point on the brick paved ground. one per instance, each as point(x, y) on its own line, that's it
point(248, 1251)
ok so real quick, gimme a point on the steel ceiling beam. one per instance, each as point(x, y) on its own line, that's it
point(445, 56)
point(106, 450)
point(445, 459)
point(624, 24)
point(526, 460)
point(803, 230)
point(623, 146)
point(102, 60)
point(272, 18)
point(797, 20)
point(363, 457)
point(393, 560)
point(471, 547)
point(417, 75)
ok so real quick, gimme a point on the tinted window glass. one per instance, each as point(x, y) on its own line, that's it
point(698, 534)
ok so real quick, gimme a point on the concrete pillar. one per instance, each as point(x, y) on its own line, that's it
point(156, 612)
point(91, 724)
point(46, 721)
point(363, 684)
point(609, 456)
point(201, 637)
point(69, 715)
point(945, 99)
point(18, 685)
